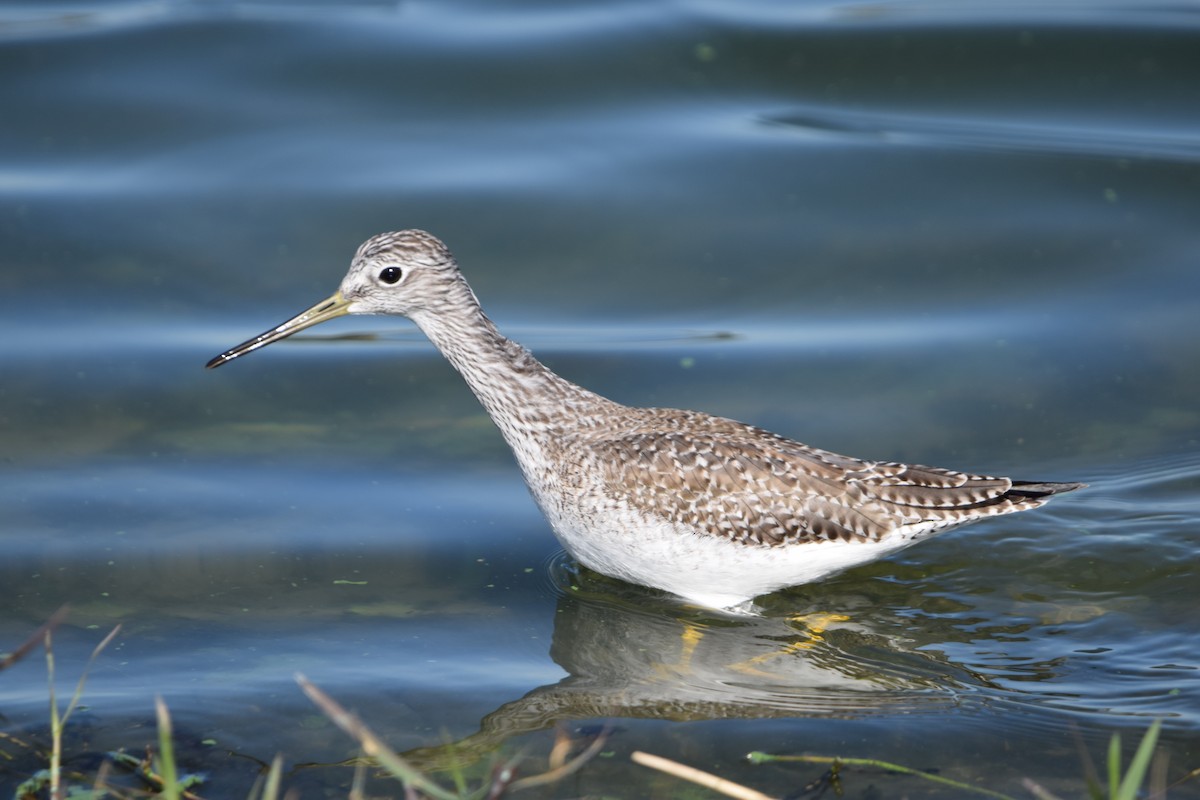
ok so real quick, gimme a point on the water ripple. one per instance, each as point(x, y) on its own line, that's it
point(1102, 138)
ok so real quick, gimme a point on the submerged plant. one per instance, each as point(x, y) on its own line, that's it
point(159, 772)
point(58, 722)
point(1122, 784)
point(50, 779)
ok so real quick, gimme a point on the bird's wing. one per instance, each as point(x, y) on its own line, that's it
point(752, 486)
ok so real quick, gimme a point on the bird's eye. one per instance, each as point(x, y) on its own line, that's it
point(390, 275)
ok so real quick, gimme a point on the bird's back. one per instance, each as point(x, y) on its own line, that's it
point(727, 479)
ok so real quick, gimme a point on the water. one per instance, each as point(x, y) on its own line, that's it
point(960, 234)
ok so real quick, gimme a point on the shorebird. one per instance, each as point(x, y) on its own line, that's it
point(712, 510)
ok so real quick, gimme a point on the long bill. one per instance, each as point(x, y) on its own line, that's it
point(335, 306)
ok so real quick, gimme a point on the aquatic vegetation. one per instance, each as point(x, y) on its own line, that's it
point(160, 774)
point(1124, 784)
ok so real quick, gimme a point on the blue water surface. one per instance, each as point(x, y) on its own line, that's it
point(960, 234)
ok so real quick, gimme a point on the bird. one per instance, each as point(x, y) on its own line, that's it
point(711, 510)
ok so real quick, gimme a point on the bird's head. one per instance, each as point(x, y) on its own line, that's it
point(404, 272)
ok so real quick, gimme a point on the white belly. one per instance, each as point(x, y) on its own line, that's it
point(705, 569)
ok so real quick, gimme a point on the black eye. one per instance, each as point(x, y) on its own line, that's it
point(390, 275)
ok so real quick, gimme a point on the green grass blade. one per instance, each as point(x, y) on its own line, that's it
point(166, 752)
point(1132, 781)
point(759, 757)
point(1114, 765)
point(457, 771)
point(87, 668)
point(56, 723)
point(372, 745)
point(274, 779)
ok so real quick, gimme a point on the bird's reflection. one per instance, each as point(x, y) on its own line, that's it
point(630, 653)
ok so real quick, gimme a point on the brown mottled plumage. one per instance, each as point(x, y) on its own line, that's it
point(707, 508)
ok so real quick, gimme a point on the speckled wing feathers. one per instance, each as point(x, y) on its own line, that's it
point(732, 480)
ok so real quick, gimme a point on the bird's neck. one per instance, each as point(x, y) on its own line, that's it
point(523, 397)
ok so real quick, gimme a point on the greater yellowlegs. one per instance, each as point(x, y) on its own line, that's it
point(707, 508)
